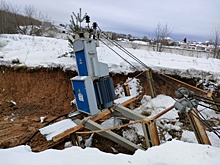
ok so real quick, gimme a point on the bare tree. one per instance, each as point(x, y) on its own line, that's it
point(27, 21)
point(7, 17)
point(161, 32)
point(33, 22)
point(216, 42)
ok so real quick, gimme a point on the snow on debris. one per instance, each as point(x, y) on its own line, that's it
point(33, 51)
point(134, 87)
point(173, 152)
point(54, 129)
point(157, 105)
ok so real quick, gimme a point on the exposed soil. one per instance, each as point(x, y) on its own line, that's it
point(27, 94)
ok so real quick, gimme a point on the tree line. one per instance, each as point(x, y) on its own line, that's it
point(25, 20)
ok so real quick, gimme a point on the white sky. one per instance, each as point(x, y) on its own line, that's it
point(194, 19)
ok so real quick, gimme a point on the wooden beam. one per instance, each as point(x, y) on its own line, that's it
point(163, 112)
point(150, 84)
point(150, 133)
point(127, 93)
point(198, 127)
point(80, 126)
point(129, 101)
point(203, 91)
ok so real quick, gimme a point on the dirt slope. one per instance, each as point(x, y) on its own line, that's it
point(26, 95)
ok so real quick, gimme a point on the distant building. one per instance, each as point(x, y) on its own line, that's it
point(169, 40)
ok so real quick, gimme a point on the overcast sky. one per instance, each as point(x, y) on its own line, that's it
point(193, 19)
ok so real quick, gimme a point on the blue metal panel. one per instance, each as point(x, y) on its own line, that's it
point(81, 96)
point(105, 93)
point(81, 63)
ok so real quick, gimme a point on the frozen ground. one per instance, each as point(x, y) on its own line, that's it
point(35, 51)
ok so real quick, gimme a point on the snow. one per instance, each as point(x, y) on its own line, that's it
point(54, 129)
point(13, 102)
point(134, 87)
point(206, 112)
point(111, 122)
point(189, 136)
point(33, 51)
point(171, 153)
point(42, 119)
point(157, 105)
point(122, 99)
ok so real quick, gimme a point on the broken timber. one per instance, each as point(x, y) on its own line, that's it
point(150, 84)
point(148, 125)
point(198, 128)
point(127, 93)
point(91, 125)
point(95, 118)
point(79, 126)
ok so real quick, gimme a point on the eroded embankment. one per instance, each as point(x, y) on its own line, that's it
point(26, 95)
point(29, 95)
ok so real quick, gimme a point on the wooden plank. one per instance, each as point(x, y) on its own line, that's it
point(129, 101)
point(163, 112)
point(126, 89)
point(198, 127)
point(198, 89)
point(127, 93)
point(153, 133)
point(150, 84)
point(150, 132)
point(79, 126)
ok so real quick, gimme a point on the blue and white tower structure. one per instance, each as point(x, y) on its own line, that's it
point(93, 88)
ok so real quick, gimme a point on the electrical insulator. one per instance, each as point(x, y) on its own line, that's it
point(183, 92)
point(87, 19)
point(94, 25)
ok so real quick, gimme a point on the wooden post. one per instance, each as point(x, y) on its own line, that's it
point(150, 84)
point(150, 133)
point(211, 97)
point(127, 93)
point(198, 127)
point(74, 139)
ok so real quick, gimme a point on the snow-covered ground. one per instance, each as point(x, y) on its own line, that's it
point(35, 51)
point(170, 153)
point(48, 52)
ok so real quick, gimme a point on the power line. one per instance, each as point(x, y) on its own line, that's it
point(155, 73)
point(209, 107)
